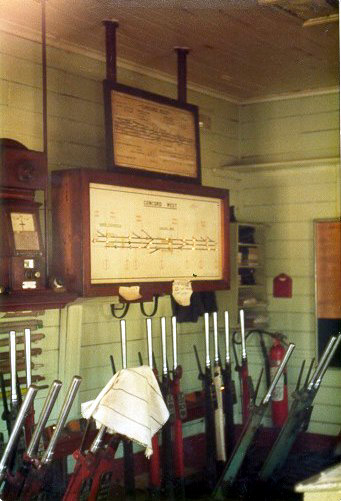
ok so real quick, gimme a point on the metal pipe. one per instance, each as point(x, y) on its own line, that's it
point(242, 332)
point(150, 342)
point(279, 372)
point(45, 138)
point(13, 362)
point(227, 338)
point(44, 415)
point(175, 352)
point(17, 429)
point(68, 401)
point(123, 344)
point(215, 338)
point(28, 356)
point(164, 346)
point(207, 340)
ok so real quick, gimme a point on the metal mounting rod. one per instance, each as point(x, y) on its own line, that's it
point(182, 73)
point(45, 137)
point(110, 48)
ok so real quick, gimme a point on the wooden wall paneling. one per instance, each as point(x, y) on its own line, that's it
point(302, 303)
point(287, 194)
point(290, 250)
point(329, 414)
point(289, 213)
point(79, 76)
point(30, 72)
point(75, 109)
point(280, 127)
point(294, 321)
point(328, 428)
point(87, 134)
point(49, 357)
point(22, 125)
point(69, 352)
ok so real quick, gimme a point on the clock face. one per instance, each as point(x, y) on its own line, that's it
point(24, 231)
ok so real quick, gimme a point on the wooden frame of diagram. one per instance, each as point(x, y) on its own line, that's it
point(113, 230)
point(151, 134)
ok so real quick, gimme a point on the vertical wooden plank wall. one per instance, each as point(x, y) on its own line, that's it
point(80, 339)
point(289, 199)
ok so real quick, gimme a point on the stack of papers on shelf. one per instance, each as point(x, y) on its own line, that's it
point(253, 256)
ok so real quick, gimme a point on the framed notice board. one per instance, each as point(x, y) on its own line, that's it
point(112, 230)
point(151, 134)
point(328, 283)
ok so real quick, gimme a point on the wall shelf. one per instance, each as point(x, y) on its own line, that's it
point(247, 240)
point(35, 300)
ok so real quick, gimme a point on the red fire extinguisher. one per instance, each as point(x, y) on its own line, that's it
point(279, 397)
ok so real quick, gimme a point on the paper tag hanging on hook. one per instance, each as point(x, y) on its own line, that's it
point(130, 293)
point(182, 291)
point(282, 286)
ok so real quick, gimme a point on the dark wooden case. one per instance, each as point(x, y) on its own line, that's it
point(71, 229)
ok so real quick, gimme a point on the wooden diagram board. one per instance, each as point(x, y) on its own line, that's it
point(112, 229)
point(152, 136)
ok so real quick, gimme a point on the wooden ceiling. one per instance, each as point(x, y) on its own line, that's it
point(244, 49)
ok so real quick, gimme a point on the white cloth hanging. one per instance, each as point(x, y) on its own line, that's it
point(130, 404)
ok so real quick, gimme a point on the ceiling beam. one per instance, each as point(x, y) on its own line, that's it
point(314, 21)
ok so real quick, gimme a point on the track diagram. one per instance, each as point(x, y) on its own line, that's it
point(152, 244)
point(143, 235)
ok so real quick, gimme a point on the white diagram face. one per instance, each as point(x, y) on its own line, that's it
point(141, 235)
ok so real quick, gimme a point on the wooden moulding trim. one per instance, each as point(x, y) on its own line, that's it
point(311, 162)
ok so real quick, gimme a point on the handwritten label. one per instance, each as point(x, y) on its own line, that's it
point(182, 291)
